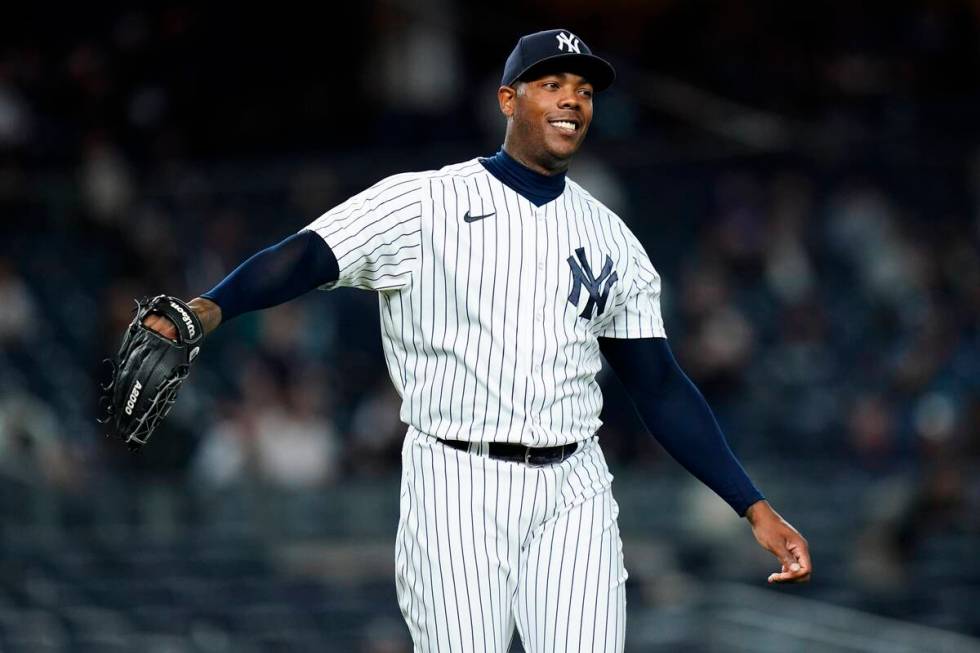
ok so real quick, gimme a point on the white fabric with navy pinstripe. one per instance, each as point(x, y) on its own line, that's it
point(490, 312)
point(481, 340)
point(484, 545)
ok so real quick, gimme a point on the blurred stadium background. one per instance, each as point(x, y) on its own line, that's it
point(805, 175)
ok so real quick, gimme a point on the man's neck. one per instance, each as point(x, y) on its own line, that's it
point(555, 168)
point(537, 187)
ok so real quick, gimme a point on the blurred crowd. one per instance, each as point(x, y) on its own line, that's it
point(824, 292)
point(804, 176)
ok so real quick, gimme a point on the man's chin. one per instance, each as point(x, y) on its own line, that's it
point(562, 152)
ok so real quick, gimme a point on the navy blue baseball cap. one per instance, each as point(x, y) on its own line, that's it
point(556, 50)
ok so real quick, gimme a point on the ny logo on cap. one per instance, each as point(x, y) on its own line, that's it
point(568, 39)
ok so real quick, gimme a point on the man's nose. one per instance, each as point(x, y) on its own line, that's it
point(568, 100)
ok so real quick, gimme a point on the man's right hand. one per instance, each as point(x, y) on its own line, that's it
point(205, 309)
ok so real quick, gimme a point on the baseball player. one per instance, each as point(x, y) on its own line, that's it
point(500, 281)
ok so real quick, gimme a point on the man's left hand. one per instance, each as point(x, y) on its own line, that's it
point(777, 536)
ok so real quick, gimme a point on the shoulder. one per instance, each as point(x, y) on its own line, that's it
point(614, 223)
point(421, 178)
point(462, 169)
point(600, 210)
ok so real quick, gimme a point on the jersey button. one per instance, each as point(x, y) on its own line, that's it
point(539, 317)
point(541, 266)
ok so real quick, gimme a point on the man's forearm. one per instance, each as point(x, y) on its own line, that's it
point(677, 415)
point(271, 277)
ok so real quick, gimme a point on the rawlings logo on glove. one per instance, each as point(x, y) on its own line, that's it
point(148, 370)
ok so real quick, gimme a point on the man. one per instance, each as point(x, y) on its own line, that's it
point(500, 281)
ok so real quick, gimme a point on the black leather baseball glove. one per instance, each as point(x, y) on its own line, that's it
point(148, 371)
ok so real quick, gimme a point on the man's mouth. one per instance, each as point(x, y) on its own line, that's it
point(564, 126)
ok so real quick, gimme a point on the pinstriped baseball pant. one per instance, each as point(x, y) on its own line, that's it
point(485, 545)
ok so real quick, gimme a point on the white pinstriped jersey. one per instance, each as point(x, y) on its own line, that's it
point(490, 306)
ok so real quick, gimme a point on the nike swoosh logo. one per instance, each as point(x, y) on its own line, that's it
point(473, 218)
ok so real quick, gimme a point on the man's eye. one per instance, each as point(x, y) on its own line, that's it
point(586, 92)
point(551, 84)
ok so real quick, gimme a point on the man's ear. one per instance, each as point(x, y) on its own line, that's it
point(506, 96)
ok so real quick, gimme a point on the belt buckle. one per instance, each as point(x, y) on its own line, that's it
point(527, 459)
point(544, 461)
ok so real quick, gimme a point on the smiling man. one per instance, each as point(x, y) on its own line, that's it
point(546, 133)
point(500, 281)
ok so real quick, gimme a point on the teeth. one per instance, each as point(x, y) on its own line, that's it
point(564, 124)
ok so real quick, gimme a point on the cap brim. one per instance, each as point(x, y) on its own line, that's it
point(596, 70)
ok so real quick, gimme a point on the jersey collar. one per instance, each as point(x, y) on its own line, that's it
point(537, 188)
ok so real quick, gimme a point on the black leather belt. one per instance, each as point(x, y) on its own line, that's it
point(517, 453)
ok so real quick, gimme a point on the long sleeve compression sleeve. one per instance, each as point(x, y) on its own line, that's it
point(677, 415)
point(275, 275)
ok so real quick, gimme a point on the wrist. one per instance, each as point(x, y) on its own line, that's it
point(759, 511)
point(207, 311)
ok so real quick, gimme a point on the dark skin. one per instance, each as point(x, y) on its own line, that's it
point(533, 107)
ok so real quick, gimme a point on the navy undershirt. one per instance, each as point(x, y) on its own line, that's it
point(539, 189)
point(275, 275)
point(677, 415)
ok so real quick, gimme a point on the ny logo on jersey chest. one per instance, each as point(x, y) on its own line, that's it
point(597, 287)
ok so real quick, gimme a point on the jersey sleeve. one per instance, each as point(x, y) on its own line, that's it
point(375, 235)
point(639, 316)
